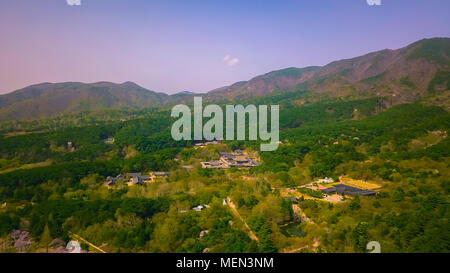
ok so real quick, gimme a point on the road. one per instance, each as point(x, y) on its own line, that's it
point(251, 234)
point(78, 238)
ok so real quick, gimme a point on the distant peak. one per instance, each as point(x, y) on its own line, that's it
point(185, 93)
point(129, 83)
point(443, 41)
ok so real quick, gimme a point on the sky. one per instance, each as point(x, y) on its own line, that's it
point(198, 45)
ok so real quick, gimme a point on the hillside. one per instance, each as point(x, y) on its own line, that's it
point(420, 71)
point(404, 74)
point(50, 99)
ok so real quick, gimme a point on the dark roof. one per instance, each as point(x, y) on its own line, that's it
point(329, 190)
point(348, 190)
point(213, 163)
point(111, 179)
point(227, 154)
point(111, 182)
point(133, 174)
point(366, 193)
point(161, 173)
point(346, 187)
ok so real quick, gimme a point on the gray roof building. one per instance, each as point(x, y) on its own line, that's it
point(348, 190)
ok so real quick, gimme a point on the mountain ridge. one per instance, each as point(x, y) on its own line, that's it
point(420, 61)
point(403, 74)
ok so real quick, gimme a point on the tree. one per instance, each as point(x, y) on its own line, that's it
point(355, 203)
point(399, 195)
point(360, 236)
point(46, 238)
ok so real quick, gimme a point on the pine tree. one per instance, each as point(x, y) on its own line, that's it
point(46, 238)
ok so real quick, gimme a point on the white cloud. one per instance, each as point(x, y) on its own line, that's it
point(73, 2)
point(230, 61)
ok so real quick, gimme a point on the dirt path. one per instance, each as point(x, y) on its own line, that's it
point(294, 250)
point(300, 214)
point(315, 245)
point(236, 213)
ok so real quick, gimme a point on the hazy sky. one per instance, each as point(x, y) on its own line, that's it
point(198, 45)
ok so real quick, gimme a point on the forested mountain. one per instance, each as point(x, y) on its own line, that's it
point(48, 99)
point(418, 71)
point(406, 74)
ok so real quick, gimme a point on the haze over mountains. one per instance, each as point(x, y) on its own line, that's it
point(418, 71)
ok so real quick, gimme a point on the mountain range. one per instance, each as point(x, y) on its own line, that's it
point(419, 71)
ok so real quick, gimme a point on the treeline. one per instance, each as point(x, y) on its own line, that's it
point(37, 147)
point(19, 184)
point(147, 135)
point(331, 112)
point(333, 142)
point(63, 215)
point(281, 159)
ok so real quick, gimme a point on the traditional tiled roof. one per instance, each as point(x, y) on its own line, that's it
point(348, 190)
point(133, 174)
point(161, 173)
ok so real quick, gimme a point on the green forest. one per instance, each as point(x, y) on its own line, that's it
point(53, 189)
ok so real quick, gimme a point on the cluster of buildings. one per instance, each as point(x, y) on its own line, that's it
point(227, 160)
point(136, 178)
point(345, 187)
point(202, 144)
